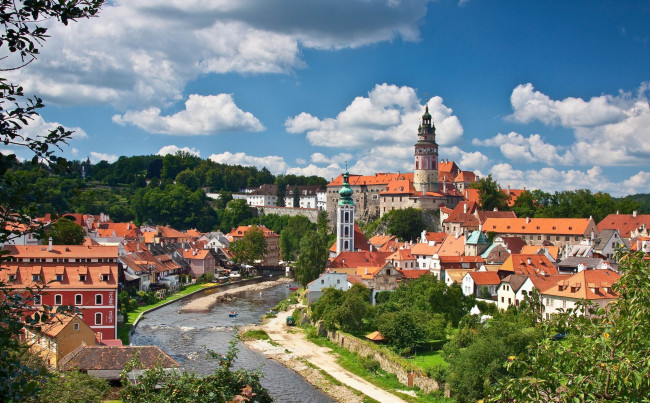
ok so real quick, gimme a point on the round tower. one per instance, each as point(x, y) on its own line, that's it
point(345, 217)
point(425, 175)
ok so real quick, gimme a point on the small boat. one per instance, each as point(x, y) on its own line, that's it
point(232, 314)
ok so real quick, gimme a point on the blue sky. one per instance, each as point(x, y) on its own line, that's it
point(550, 95)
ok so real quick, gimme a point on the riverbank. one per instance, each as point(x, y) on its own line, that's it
point(290, 347)
point(204, 304)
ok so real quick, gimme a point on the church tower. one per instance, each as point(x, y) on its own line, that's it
point(345, 218)
point(425, 176)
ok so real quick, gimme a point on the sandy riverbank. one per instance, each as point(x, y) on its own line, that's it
point(290, 347)
point(204, 304)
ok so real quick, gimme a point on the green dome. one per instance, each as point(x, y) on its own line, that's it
point(346, 192)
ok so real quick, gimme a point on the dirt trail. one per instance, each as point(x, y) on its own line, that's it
point(294, 340)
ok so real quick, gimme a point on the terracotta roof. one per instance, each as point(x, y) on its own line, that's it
point(425, 249)
point(240, 231)
point(48, 271)
point(484, 215)
point(452, 246)
point(56, 323)
point(485, 277)
point(198, 254)
point(392, 245)
point(466, 176)
point(399, 187)
point(107, 358)
point(358, 259)
point(354, 279)
point(513, 243)
point(456, 275)
point(360, 240)
point(368, 272)
point(149, 236)
point(169, 232)
point(547, 281)
point(412, 274)
point(438, 237)
point(379, 240)
point(448, 166)
point(554, 251)
point(88, 241)
point(496, 254)
point(193, 233)
point(472, 195)
point(624, 223)
point(464, 213)
point(514, 194)
point(62, 251)
point(519, 264)
point(375, 336)
point(401, 254)
point(588, 284)
point(560, 226)
point(382, 178)
point(118, 229)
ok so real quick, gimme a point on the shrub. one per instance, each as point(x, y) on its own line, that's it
point(370, 364)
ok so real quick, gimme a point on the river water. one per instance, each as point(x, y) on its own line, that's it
point(183, 337)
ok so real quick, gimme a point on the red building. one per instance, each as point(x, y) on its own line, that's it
point(85, 277)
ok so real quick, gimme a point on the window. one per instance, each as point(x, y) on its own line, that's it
point(78, 299)
point(36, 277)
point(105, 277)
point(82, 277)
point(37, 300)
point(539, 237)
point(12, 277)
point(322, 281)
point(338, 281)
point(58, 299)
point(98, 318)
point(98, 299)
point(59, 277)
point(75, 327)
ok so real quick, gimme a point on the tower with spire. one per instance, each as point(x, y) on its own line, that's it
point(345, 217)
point(425, 175)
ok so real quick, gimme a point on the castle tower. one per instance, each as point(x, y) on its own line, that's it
point(345, 218)
point(425, 176)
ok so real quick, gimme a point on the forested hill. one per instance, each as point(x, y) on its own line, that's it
point(149, 188)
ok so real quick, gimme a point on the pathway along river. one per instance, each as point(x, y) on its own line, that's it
point(183, 336)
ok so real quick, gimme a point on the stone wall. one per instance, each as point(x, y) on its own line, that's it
point(406, 377)
point(310, 213)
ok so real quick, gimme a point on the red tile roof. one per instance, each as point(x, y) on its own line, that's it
point(438, 237)
point(624, 223)
point(485, 277)
point(61, 251)
point(400, 187)
point(359, 259)
point(240, 231)
point(560, 226)
point(520, 264)
point(588, 284)
point(466, 176)
point(382, 178)
point(47, 273)
point(412, 274)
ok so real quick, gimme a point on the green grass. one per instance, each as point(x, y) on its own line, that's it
point(255, 334)
point(428, 359)
point(123, 330)
point(382, 379)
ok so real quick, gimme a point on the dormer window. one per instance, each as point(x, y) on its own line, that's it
point(36, 277)
point(12, 277)
point(105, 277)
point(82, 277)
point(59, 277)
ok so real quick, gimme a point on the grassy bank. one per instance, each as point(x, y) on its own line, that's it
point(369, 369)
point(123, 330)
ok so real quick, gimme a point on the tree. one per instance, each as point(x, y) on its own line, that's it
point(22, 34)
point(525, 205)
point(66, 232)
point(402, 330)
point(490, 194)
point(291, 236)
point(406, 224)
point(604, 356)
point(312, 258)
point(251, 247)
point(296, 197)
point(235, 213)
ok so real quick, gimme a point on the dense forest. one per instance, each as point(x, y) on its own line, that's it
point(154, 189)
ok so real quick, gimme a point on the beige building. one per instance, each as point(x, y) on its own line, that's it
point(535, 231)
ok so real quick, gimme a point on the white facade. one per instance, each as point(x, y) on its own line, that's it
point(321, 200)
point(326, 280)
point(507, 297)
point(345, 229)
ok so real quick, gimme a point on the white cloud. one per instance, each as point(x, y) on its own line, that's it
point(74, 152)
point(388, 115)
point(143, 52)
point(301, 161)
point(529, 105)
point(518, 148)
point(172, 149)
point(467, 161)
point(339, 159)
point(273, 163)
point(96, 157)
point(202, 115)
point(38, 127)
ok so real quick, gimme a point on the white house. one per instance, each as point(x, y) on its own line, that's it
point(326, 280)
point(475, 281)
point(606, 242)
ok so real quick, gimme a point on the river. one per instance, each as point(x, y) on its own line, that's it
point(183, 336)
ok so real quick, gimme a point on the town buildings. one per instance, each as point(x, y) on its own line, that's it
point(272, 256)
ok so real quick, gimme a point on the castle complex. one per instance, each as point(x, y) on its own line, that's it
point(432, 184)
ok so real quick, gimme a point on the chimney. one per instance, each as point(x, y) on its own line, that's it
point(634, 213)
point(465, 208)
point(529, 261)
point(457, 235)
point(49, 245)
point(495, 208)
point(617, 212)
point(366, 271)
point(527, 220)
point(480, 228)
point(128, 225)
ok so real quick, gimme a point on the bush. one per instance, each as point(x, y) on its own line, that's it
point(438, 373)
point(370, 364)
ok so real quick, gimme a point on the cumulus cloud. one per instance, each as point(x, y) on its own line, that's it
point(202, 115)
point(466, 160)
point(551, 180)
point(172, 149)
point(38, 127)
point(533, 148)
point(143, 52)
point(96, 157)
point(274, 163)
point(529, 105)
point(388, 115)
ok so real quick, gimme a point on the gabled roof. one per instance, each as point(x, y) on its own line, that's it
point(358, 259)
point(243, 229)
point(381, 178)
point(513, 243)
point(601, 241)
point(560, 226)
point(574, 261)
point(515, 281)
point(485, 277)
point(399, 187)
point(624, 223)
point(528, 264)
point(118, 229)
point(452, 246)
point(484, 215)
point(378, 240)
point(169, 232)
point(195, 254)
point(438, 237)
point(477, 238)
point(466, 176)
point(401, 254)
point(57, 323)
point(472, 195)
point(368, 272)
point(448, 166)
point(114, 358)
point(456, 275)
point(496, 254)
point(375, 336)
point(61, 251)
point(554, 251)
point(425, 249)
point(514, 194)
point(588, 284)
point(413, 274)
point(48, 272)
